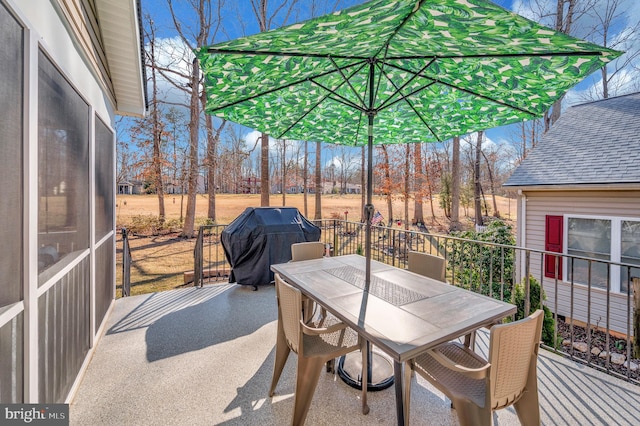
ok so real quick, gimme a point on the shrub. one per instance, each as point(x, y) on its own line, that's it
point(535, 292)
point(486, 269)
point(151, 225)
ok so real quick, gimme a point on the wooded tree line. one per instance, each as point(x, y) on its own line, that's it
point(180, 150)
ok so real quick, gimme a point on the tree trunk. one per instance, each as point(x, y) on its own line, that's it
point(157, 131)
point(283, 181)
point(194, 127)
point(476, 179)
point(563, 24)
point(429, 180)
point(496, 213)
point(455, 186)
point(407, 162)
point(605, 83)
point(264, 170)
point(318, 210)
point(387, 178)
point(213, 138)
point(305, 176)
point(418, 214)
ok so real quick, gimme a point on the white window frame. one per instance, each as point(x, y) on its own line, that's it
point(615, 249)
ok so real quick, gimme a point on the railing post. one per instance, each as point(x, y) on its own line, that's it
point(335, 238)
point(197, 258)
point(527, 285)
point(636, 317)
point(126, 264)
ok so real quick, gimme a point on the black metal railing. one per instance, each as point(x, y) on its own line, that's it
point(126, 264)
point(584, 306)
point(210, 262)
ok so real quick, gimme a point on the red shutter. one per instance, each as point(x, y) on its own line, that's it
point(553, 242)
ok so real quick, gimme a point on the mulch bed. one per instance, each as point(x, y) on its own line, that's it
point(598, 339)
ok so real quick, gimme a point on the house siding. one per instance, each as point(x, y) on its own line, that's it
point(588, 308)
point(56, 300)
point(81, 17)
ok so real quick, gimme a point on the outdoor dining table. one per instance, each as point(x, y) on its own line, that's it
point(403, 313)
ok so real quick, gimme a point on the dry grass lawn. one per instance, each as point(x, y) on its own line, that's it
point(160, 257)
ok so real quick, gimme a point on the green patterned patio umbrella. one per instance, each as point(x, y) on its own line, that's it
point(395, 71)
point(424, 71)
point(402, 70)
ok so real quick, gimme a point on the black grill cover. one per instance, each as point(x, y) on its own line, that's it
point(261, 237)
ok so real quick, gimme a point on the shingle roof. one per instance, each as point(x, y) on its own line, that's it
point(592, 143)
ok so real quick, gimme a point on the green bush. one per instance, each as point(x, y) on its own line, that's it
point(535, 292)
point(152, 225)
point(486, 269)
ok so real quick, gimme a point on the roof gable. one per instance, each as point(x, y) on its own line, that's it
point(592, 143)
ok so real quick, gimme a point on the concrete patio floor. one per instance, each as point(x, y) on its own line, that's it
point(204, 356)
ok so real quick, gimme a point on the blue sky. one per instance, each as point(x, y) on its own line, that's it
point(239, 20)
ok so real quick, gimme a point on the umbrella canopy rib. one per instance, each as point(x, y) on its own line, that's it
point(303, 54)
point(413, 108)
point(273, 90)
point(337, 97)
point(405, 84)
point(347, 80)
point(327, 96)
point(283, 54)
point(462, 89)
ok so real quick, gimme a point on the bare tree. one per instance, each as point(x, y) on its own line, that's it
point(476, 179)
point(387, 171)
point(318, 210)
point(305, 177)
point(455, 185)
point(434, 171)
point(211, 161)
point(418, 184)
point(525, 137)
point(155, 118)
point(608, 17)
point(406, 189)
point(490, 171)
point(285, 170)
point(265, 18)
point(207, 23)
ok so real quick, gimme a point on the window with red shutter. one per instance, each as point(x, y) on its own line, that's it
point(553, 242)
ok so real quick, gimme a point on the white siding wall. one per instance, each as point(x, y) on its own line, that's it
point(56, 341)
point(586, 308)
point(53, 35)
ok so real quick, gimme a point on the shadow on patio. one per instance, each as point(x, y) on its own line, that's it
point(203, 356)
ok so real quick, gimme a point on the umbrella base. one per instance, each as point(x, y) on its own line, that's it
point(380, 371)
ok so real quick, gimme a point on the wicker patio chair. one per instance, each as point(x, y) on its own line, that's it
point(432, 266)
point(307, 251)
point(314, 347)
point(477, 387)
point(427, 264)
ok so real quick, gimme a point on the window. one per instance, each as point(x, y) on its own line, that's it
point(63, 167)
point(589, 238)
point(104, 180)
point(614, 240)
point(11, 104)
point(629, 251)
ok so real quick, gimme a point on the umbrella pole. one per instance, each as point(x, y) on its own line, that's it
point(368, 208)
point(349, 370)
point(350, 366)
